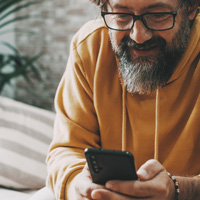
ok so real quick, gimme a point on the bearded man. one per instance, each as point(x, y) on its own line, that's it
point(132, 83)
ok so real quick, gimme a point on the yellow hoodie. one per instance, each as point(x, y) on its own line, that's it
point(94, 110)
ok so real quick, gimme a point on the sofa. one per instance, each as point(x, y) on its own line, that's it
point(25, 134)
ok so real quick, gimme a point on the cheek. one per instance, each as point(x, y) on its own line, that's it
point(169, 34)
point(166, 35)
point(117, 36)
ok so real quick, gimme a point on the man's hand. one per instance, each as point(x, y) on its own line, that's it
point(84, 185)
point(153, 184)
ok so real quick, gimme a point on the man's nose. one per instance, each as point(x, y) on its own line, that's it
point(139, 33)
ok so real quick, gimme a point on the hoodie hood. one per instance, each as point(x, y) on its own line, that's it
point(191, 52)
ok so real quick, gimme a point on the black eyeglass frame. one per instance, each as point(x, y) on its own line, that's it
point(141, 18)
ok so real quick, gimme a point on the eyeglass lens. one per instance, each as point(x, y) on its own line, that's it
point(156, 21)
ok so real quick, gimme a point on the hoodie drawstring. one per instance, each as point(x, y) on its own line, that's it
point(156, 140)
point(124, 123)
point(124, 119)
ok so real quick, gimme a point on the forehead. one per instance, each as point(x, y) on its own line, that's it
point(142, 4)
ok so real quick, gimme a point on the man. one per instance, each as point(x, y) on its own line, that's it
point(133, 85)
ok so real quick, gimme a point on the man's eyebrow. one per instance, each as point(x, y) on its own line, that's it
point(156, 5)
point(121, 6)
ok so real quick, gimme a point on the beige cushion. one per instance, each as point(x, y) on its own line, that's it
point(25, 134)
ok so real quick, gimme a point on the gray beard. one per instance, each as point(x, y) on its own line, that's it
point(145, 74)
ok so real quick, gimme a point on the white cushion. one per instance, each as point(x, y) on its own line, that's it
point(25, 135)
point(6, 194)
point(43, 194)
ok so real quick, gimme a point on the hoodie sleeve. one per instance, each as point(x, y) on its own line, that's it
point(76, 126)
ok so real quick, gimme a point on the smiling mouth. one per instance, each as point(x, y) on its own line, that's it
point(145, 51)
point(146, 48)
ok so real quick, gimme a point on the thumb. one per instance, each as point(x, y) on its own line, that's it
point(149, 170)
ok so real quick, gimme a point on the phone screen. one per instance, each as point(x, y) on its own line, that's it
point(107, 165)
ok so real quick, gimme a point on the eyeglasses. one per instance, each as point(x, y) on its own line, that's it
point(157, 21)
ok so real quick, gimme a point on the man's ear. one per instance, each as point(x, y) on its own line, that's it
point(192, 11)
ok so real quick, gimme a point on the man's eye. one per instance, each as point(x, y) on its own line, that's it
point(158, 17)
point(122, 17)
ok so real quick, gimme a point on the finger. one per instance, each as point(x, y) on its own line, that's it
point(84, 185)
point(149, 170)
point(137, 189)
point(103, 194)
point(86, 168)
point(143, 189)
point(86, 188)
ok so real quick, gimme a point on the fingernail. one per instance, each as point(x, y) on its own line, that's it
point(142, 173)
point(95, 195)
point(109, 185)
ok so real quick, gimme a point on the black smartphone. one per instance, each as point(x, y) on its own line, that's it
point(107, 165)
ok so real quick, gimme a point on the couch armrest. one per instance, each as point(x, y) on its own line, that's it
point(43, 194)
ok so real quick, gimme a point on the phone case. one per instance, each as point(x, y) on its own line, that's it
point(107, 165)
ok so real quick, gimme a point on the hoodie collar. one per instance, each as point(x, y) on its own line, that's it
point(190, 53)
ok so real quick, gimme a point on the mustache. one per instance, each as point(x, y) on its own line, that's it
point(153, 42)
